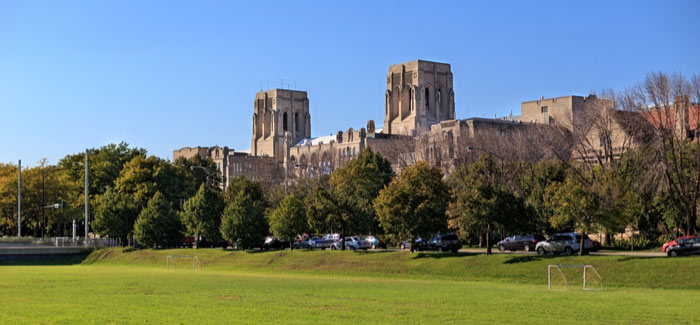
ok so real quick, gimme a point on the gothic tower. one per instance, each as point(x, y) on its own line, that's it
point(418, 94)
point(276, 112)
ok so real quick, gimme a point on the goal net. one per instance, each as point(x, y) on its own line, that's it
point(562, 276)
point(186, 260)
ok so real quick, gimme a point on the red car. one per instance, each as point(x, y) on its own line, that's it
point(673, 242)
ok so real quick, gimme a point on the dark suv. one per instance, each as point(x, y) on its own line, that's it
point(441, 243)
point(517, 242)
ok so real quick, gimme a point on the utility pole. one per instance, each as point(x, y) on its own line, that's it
point(87, 191)
point(43, 203)
point(19, 198)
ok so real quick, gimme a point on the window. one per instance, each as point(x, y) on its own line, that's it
point(410, 99)
point(545, 114)
point(296, 122)
point(439, 94)
point(427, 99)
point(605, 141)
point(284, 121)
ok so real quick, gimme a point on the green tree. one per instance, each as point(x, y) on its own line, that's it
point(194, 171)
point(572, 203)
point(158, 225)
point(288, 219)
point(414, 204)
point(355, 187)
point(137, 183)
point(201, 214)
point(115, 215)
point(244, 217)
point(481, 202)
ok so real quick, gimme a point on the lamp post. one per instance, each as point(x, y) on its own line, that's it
point(87, 193)
point(19, 198)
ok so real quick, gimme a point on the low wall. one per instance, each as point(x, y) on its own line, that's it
point(38, 252)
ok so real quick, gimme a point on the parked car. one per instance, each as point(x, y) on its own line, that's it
point(520, 242)
point(567, 243)
point(440, 243)
point(689, 245)
point(352, 243)
point(674, 242)
point(325, 242)
point(221, 243)
point(305, 242)
point(187, 242)
point(274, 243)
point(406, 244)
point(375, 242)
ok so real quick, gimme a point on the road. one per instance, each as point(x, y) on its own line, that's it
point(603, 253)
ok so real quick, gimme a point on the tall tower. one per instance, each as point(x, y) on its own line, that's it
point(418, 94)
point(278, 111)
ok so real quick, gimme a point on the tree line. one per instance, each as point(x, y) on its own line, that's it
point(549, 180)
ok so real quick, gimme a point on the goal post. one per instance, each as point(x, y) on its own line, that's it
point(170, 261)
point(587, 270)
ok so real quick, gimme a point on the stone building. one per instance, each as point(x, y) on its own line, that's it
point(277, 112)
point(419, 124)
point(418, 94)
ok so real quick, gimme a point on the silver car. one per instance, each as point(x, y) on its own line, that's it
point(353, 243)
point(567, 243)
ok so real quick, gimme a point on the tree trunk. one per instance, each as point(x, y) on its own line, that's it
point(580, 249)
point(488, 239)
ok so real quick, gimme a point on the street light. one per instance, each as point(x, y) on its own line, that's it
point(87, 192)
point(54, 206)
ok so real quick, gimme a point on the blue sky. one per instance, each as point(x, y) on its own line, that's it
point(166, 74)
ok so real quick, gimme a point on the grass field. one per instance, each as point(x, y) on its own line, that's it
point(114, 286)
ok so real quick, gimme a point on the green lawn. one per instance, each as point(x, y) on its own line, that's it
point(111, 286)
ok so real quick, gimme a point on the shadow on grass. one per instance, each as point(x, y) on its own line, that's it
point(44, 260)
point(437, 255)
point(525, 259)
point(630, 258)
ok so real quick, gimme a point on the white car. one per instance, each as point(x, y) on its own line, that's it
point(567, 243)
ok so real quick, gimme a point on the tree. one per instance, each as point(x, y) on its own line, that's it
point(289, 219)
point(572, 203)
point(414, 204)
point(193, 172)
point(355, 186)
point(244, 217)
point(481, 202)
point(115, 215)
point(669, 103)
point(138, 182)
point(201, 214)
point(158, 225)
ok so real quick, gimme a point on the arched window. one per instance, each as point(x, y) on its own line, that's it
point(427, 99)
point(284, 121)
point(296, 122)
point(410, 100)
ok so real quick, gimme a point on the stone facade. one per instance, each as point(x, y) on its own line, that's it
point(418, 94)
point(419, 124)
point(276, 112)
point(232, 164)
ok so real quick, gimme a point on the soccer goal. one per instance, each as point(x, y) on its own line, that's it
point(170, 261)
point(591, 279)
